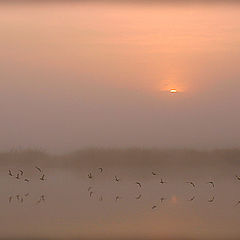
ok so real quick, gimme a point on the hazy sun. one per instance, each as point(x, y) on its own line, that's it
point(173, 90)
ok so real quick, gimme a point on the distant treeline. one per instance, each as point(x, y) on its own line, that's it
point(131, 156)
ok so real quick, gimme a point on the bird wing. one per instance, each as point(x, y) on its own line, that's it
point(38, 169)
point(139, 184)
point(138, 197)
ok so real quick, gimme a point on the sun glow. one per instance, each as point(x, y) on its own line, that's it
point(173, 90)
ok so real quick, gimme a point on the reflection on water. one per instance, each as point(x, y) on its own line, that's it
point(81, 68)
point(147, 198)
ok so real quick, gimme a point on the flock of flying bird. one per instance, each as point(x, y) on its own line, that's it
point(191, 183)
point(20, 175)
point(21, 198)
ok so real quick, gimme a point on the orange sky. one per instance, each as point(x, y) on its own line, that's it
point(72, 70)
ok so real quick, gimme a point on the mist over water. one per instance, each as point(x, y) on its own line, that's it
point(78, 207)
point(80, 74)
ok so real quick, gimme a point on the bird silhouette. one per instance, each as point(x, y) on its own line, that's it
point(154, 174)
point(237, 203)
point(238, 177)
point(191, 199)
point(10, 173)
point(211, 183)
point(90, 175)
point(117, 179)
point(117, 198)
point(21, 172)
point(154, 206)
point(91, 193)
point(162, 182)
point(162, 199)
point(39, 169)
point(17, 177)
point(191, 184)
point(101, 169)
point(139, 196)
point(43, 178)
point(43, 198)
point(139, 184)
point(26, 180)
point(212, 199)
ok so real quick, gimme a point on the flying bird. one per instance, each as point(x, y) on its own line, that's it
point(238, 177)
point(91, 193)
point(117, 198)
point(26, 180)
point(237, 203)
point(139, 184)
point(191, 184)
point(162, 199)
point(154, 206)
point(21, 172)
point(117, 179)
point(10, 173)
point(162, 182)
point(191, 199)
point(101, 169)
point(211, 183)
point(17, 177)
point(90, 175)
point(212, 199)
point(39, 169)
point(42, 178)
point(139, 196)
point(154, 174)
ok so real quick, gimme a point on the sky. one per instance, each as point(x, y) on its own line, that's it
point(98, 74)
